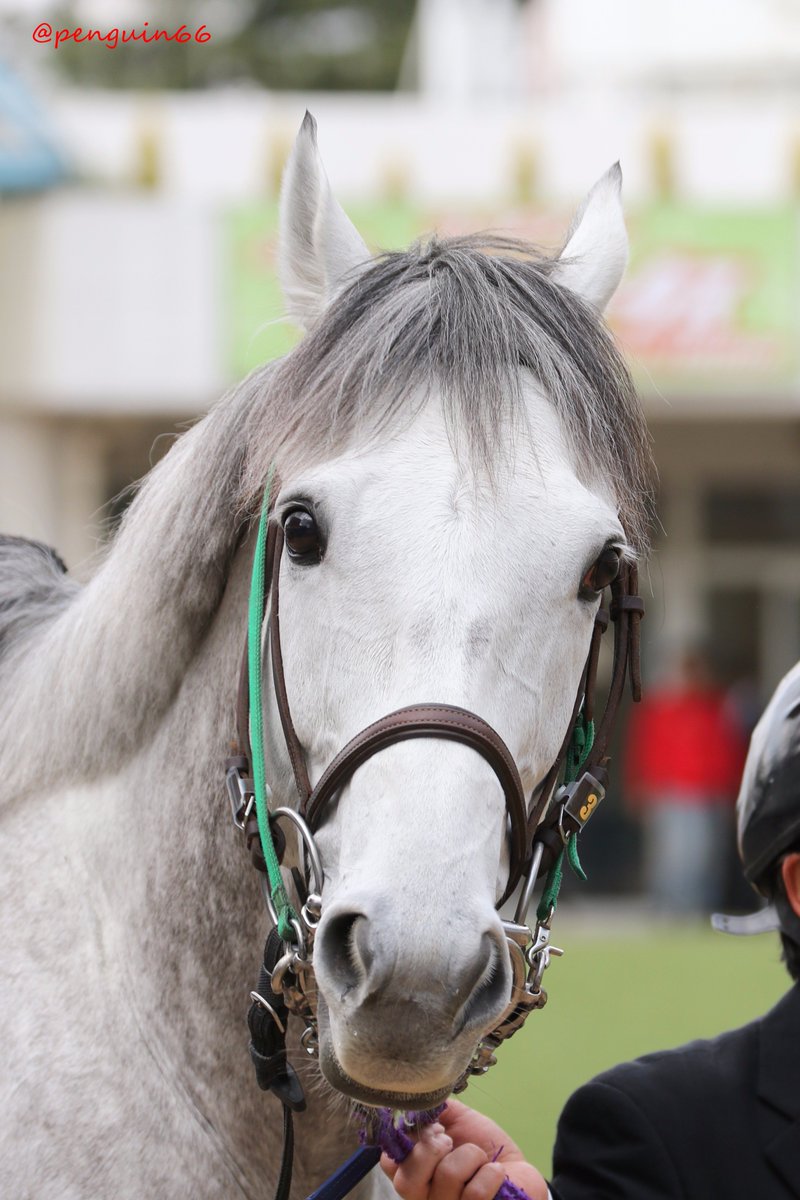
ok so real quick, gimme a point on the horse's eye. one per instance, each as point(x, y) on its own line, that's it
point(302, 537)
point(603, 571)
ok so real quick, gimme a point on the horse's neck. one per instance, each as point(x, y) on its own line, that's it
point(189, 915)
point(91, 680)
point(131, 682)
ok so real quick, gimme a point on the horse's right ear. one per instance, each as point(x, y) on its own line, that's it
point(594, 259)
point(319, 248)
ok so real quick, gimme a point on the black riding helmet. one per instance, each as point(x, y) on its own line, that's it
point(768, 808)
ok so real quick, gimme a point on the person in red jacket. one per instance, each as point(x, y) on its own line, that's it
point(684, 758)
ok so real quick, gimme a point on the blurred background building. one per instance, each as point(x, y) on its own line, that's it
point(137, 233)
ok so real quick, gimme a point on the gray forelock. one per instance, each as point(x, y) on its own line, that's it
point(465, 314)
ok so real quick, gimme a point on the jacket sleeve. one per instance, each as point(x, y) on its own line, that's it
point(607, 1148)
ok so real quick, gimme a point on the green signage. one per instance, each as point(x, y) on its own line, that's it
point(710, 301)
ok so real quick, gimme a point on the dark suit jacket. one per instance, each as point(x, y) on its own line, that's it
point(714, 1120)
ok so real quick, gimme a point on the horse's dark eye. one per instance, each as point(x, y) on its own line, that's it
point(603, 571)
point(302, 537)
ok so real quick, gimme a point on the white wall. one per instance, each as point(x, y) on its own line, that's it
point(622, 40)
point(52, 485)
point(730, 146)
point(109, 302)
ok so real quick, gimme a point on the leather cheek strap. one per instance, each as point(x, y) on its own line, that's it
point(279, 679)
point(450, 723)
point(443, 721)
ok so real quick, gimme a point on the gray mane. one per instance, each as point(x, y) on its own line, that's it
point(33, 586)
point(466, 313)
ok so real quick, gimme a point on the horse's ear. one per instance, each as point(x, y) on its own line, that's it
point(594, 258)
point(319, 247)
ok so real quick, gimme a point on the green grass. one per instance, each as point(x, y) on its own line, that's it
point(613, 998)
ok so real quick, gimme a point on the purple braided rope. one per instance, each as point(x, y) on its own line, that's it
point(510, 1191)
point(382, 1129)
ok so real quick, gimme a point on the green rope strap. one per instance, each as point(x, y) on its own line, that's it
point(578, 751)
point(258, 586)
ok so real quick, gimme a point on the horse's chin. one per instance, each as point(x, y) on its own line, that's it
point(338, 1078)
point(376, 1093)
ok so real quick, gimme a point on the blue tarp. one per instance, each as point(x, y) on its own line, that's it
point(29, 160)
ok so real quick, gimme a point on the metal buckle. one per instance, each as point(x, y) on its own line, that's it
point(241, 796)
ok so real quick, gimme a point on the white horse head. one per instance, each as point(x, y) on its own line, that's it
point(477, 472)
point(462, 463)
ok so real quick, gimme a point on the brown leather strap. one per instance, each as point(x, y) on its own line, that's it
point(627, 609)
point(243, 710)
point(547, 787)
point(600, 626)
point(457, 724)
point(292, 740)
point(634, 636)
point(431, 721)
point(243, 690)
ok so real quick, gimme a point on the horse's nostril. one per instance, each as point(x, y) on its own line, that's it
point(344, 943)
point(361, 964)
point(361, 947)
point(491, 993)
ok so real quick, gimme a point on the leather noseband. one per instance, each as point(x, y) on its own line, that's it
point(450, 723)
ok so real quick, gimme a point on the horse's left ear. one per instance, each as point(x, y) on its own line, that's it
point(593, 261)
point(319, 247)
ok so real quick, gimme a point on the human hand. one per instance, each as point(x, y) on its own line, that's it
point(457, 1158)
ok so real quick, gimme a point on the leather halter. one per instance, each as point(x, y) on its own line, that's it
point(285, 969)
point(451, 723)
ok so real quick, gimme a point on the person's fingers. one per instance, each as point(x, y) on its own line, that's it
point(525, 1176)
point(465, 1125)
point(388, 1165)
point(455, 1170)
point(413, 1176)
point(454, 1110)
point(485, 1183)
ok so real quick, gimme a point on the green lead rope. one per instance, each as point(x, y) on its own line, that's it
point(258, 585)
point(579, 750)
